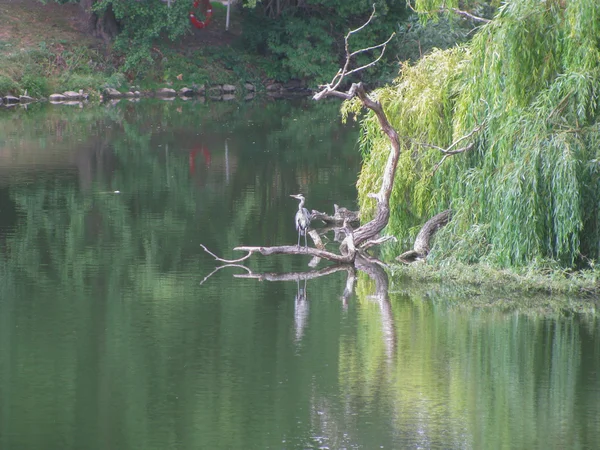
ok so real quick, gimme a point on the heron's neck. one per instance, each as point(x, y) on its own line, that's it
point(301, 205)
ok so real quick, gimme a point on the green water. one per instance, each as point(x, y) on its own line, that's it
point(112, 337)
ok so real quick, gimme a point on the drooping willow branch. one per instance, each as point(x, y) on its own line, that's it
point(457, 11)
point(468, 15)
point(451, 150)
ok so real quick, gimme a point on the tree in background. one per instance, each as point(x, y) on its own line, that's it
point(289, 38)
point(304, 37)
point(141, 24)
point(103, 25)
point(135, 26)
point(524, 188)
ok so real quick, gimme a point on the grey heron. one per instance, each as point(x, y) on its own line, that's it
point(302, 219)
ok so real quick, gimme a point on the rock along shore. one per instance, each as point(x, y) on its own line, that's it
point(215, 92)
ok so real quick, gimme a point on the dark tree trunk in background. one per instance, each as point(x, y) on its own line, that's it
point(105, 26)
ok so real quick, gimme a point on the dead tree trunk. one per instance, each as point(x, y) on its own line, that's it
point(357, 241)
point(369, 231)
point(421, 247)
point(104, 26)
point(366, 235)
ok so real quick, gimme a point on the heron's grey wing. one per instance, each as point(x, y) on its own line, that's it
point(307, 215)
point(306, 218)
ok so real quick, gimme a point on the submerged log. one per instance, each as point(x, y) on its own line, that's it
point(421, 247)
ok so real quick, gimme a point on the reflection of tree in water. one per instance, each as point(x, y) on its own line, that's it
point(451, 360)
point(417, 357)
point(431, 362)
point(301, 310)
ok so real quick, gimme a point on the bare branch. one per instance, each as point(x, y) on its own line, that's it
point(470, 16)
point(421, 246)
point(362, 26)
point(229, 261)
point(466, 136)
point(295, 250)
point(348, 244)
point(363, 50)
point(222, 267)
point(319, 244)
point(342, 72)
point(372, 242)
point(340, 214)
point(330, 89)
point(460, 12)
point(449, 151)
point(439, 163)
point(372, 63)
point(316, 239)
point(327, 91)
point(294, 276)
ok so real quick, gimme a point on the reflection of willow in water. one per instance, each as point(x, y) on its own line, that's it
point(488, 379)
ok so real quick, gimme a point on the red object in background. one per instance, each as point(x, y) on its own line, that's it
point(204, 151)
point(206, 9)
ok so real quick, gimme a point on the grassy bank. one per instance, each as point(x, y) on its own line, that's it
point(481, 278)
point(44, 49)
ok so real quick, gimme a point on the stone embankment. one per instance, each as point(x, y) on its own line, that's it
point(216, 92)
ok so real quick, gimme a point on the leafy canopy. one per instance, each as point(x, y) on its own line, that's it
point(142, 23)
point(529, 190)
point(304, 39)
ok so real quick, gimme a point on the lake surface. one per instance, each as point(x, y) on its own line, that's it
point(113, 337)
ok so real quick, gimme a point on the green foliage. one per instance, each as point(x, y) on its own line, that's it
point(430, 9)
point(116, 80)
point(419, 105)
point(7, 85)
point(309, 53)
point(34, 85)
point(74, 82)
point(417, 38)
point(306, 41)
point(142, 24)
point(530, 79)
point(52, 65)
point(209, 64)
point(483, 281)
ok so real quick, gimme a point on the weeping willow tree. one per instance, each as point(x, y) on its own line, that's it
point(524, 93)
